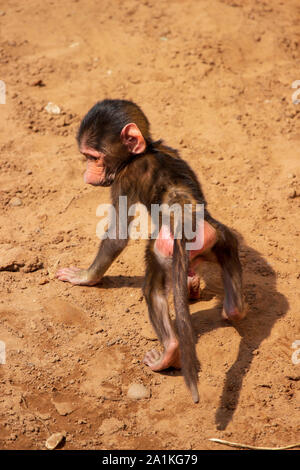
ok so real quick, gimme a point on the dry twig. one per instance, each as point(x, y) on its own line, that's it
point(245, 446)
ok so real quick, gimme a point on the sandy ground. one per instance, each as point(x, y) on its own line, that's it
point(215, 80)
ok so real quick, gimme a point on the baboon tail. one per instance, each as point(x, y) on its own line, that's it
point(189, 360)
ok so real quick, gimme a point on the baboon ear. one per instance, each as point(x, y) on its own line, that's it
point(133, 139)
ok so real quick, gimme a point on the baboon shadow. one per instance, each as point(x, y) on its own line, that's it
point(265, 306)
point(117, 282)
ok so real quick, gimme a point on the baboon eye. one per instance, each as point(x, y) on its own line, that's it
point(90, 157)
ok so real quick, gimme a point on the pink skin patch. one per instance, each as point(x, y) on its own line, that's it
point(95, 172)
point(165, 245)
point(165, 242)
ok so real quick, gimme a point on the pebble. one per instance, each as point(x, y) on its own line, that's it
point(52, 108)
point(15, 201)
point(100, 330)
point(293, 194)
point(110, 426)
point(54, 440)
point(110, 392)
point(138, 391)
point(38, 82)
point(159, 408)
point(113, 341)
point(43, 416)
point(11, 258)
point(63, 408)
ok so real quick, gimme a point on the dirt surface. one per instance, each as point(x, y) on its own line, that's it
point(215, 80)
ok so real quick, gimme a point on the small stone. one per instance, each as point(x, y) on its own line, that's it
point(43, 281)
point(15, 201)
point(2, 13)
point(159, 408)
point(63, 408)
point(33, 264)
point(293, 194)
point(55, 358)
point(113, 341)
point(138, 392)
point(110, 426)
point(11, 258)
point(43, 416)
point(32, 325)
point(38, 82)
point(109, 392)
point(100, 330)
point(53, 441)
point(52, 108)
